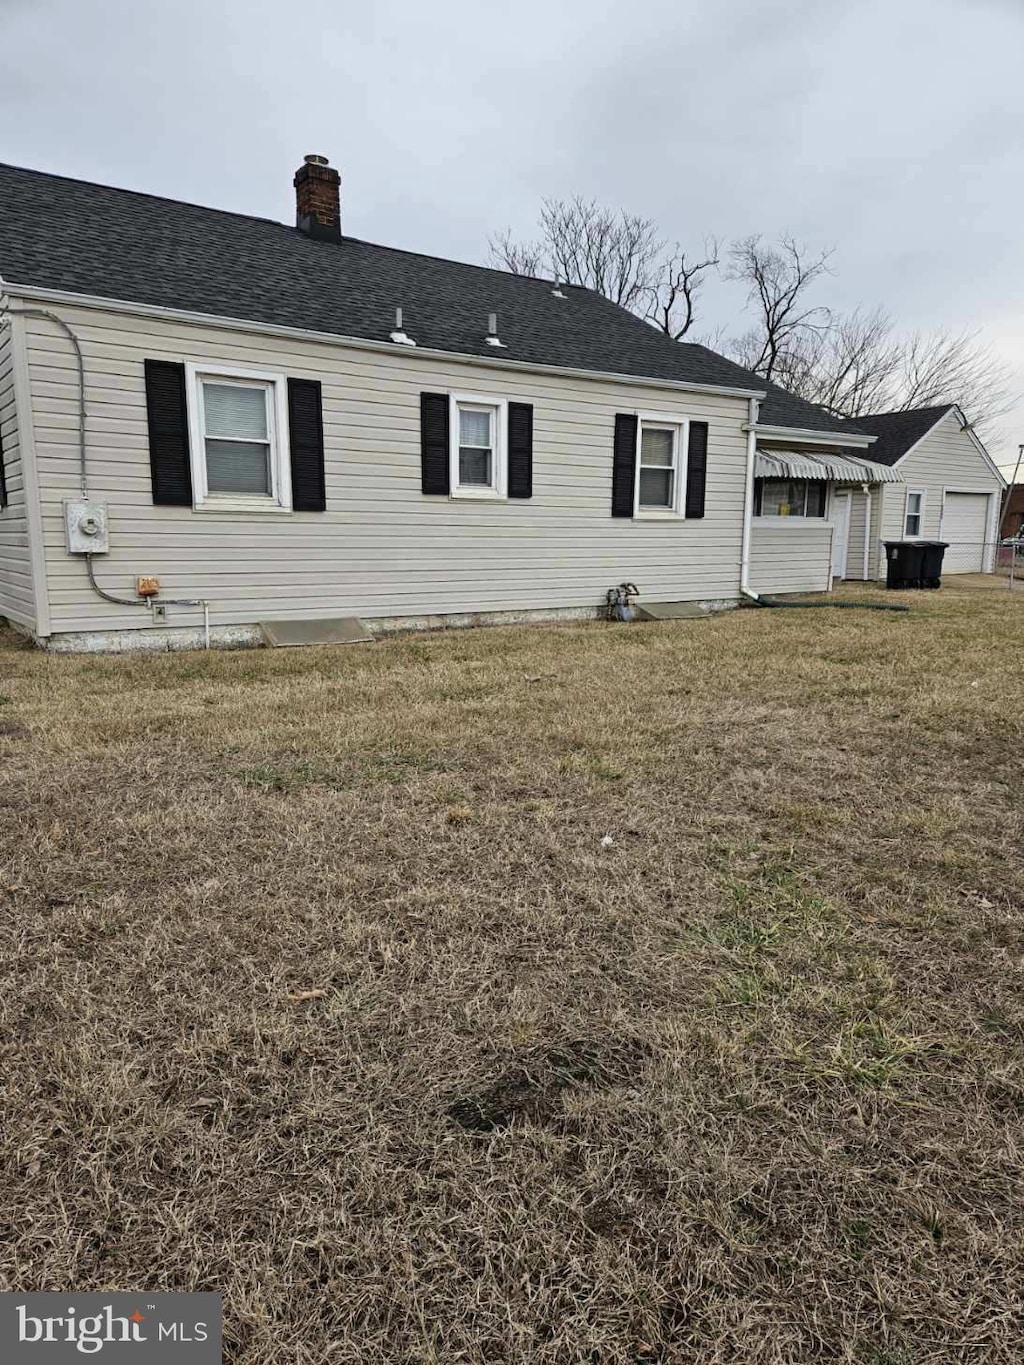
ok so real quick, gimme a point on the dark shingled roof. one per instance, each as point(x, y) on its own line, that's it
point(77, 237)
point(898, 431)
point(782, 409)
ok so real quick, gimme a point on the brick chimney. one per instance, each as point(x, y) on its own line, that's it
point(318, 199)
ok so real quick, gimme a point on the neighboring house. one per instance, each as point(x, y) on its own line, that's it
point(951, 489)
point(285, 424)
point(1013, 513)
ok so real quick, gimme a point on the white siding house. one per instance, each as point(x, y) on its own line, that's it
point(211, 423)
point(810, 510)
point(925, 476)
point(382, 550)
point(950, 489)
point(286, 424)
point(959, 491)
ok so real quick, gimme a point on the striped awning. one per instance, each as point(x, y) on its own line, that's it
point(839, 468)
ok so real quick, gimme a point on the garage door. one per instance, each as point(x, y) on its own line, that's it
point(964, 528)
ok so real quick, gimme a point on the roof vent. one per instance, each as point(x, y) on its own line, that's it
point(556, 292)
point(492, 337)
point(398, 336)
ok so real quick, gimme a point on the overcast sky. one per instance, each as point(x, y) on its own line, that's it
point(892, 129)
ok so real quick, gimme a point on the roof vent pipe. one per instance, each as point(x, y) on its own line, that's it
point(492, 331)
point(398, 336)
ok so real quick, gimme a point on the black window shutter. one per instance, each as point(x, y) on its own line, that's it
point(624, 464)
point(306, 442)
point(3, 476)
point(696, 469)
point(166, 410)
point(520, 450)
point(434, 442)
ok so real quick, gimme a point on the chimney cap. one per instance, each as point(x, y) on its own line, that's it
point(313, 160)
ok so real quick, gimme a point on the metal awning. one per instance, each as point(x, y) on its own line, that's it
point(839, 468)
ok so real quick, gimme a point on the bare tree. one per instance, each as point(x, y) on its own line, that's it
point(851, 364)
point(777, 279)
point(845, 365)
point(521, 258)
point(960, 367)
point(860, 363)
point(672, 299)
point(617, 254)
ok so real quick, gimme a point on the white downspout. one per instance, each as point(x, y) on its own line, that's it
point(867, 528)
point(748, 500)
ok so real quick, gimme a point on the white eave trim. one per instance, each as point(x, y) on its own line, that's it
point(821, 438)
point(152, 310)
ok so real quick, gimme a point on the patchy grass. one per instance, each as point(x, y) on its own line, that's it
point(322, 990)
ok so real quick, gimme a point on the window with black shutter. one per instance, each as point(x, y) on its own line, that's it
point(234, 440)
point(475, 446)
point(659, 467)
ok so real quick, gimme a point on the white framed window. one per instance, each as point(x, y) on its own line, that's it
point(478, 437)
point(913, 516)
point(660, 466)
point(238, 433)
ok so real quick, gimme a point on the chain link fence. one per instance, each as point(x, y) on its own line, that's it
point(1009, 559)
point(969, 556)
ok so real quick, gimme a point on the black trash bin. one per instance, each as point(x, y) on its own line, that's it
point(903, 563)
point(931, 562)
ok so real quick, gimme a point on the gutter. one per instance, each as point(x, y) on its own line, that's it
point(152, 310)
point(822, 438)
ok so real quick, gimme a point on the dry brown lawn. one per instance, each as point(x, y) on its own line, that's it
point(321, 990)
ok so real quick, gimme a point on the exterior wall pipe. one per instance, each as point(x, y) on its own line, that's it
point(867, 528)
point(7, 311)
point(748, 501)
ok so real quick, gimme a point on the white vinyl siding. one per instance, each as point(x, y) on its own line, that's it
point(790, 555)
point(17, 598)
point(855, 547)
point(947, 458)
point(383, 549)
point(858, 512)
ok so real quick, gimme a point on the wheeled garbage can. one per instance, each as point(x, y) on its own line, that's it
point(931, 563)
point(903, 563)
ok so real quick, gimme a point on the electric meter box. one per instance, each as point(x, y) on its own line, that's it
point(85, 526)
